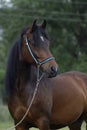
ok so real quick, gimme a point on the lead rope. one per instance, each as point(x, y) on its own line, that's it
point(33, 97)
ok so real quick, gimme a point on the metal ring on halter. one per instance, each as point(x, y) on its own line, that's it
point(36, 61)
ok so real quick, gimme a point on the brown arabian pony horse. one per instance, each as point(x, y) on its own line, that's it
point(60, 101)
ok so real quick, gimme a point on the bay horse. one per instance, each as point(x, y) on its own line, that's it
point(61, 100)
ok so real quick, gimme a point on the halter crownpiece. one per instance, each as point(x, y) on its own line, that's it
point(36, 61)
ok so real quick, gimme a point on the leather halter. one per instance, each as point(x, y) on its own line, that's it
point(34, 58)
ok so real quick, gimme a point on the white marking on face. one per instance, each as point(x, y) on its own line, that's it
point(41, 37)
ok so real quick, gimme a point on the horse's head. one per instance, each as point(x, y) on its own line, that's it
point(35, 49)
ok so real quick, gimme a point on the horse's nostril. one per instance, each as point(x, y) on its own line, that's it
point(53, 69)
point(53, 72)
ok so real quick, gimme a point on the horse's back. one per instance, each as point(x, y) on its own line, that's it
point(73, 77)
point(70, 82)
point(74, 74)
point(77, 77)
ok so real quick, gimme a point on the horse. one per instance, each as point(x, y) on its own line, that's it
point(60, 100)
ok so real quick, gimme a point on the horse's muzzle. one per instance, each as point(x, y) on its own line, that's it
point(52, 72)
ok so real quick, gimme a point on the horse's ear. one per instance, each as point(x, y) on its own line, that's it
point(33, 26)
point(44, 24)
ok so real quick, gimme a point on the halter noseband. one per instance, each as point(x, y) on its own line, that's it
point(36, 61)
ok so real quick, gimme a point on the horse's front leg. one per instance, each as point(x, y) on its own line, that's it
point(21, 127)
point(76, 126)
point(42, 123)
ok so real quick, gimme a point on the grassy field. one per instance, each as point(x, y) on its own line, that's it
point(7, 125)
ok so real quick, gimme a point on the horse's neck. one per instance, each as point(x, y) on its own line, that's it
point(27, 72)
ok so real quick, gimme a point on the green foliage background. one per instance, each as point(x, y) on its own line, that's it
point(67, 29)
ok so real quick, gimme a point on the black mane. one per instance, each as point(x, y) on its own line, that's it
point(13, 65)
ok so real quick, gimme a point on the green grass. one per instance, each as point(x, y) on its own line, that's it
point(7, 125)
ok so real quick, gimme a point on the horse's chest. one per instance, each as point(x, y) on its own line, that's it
point(40, 106)
point(35, 108)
